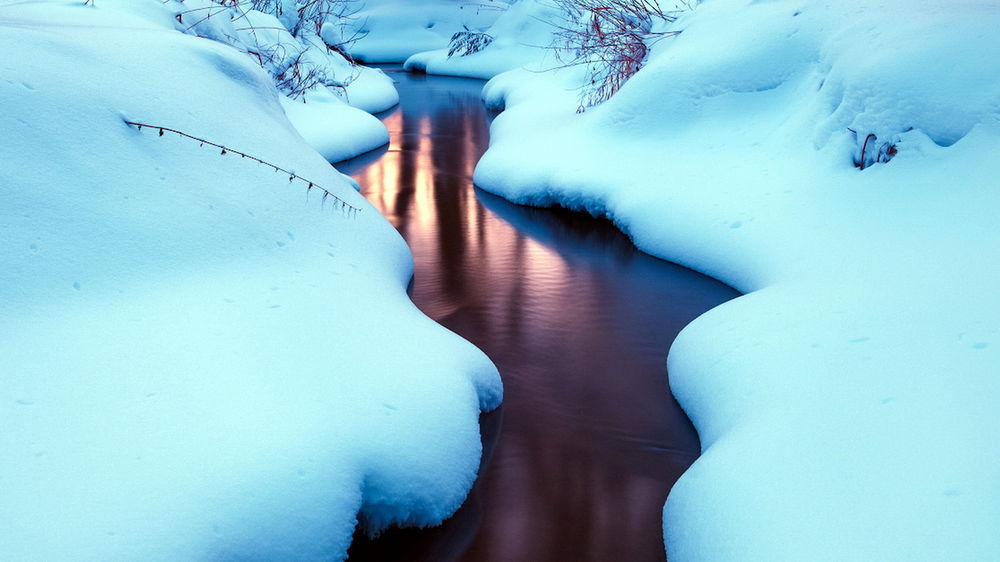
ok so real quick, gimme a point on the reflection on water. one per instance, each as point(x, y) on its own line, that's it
point(580, 457)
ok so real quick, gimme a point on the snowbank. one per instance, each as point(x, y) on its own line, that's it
point(392, 30)
point(325, 96)
point(200, 358)
point(334, 129)
point(847, 404)
point(521, 36)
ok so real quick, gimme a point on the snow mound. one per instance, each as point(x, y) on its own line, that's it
point(393, 30)
point(521, 36)
point(202, 358)
point(325, 95)
point(846, 405)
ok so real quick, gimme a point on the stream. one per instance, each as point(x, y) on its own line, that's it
point(579, 459)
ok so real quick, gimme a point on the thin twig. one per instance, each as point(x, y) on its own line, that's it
point(864, 148)
point(351, 210)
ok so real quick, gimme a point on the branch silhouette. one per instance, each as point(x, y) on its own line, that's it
point(349, 209)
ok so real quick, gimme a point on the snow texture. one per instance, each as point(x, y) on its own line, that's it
point(327, 98)
point(201, 360)
point(522, 35)
point(393, 30)
point(847, 405)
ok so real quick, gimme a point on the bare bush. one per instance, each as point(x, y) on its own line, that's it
point(468, 42)
point(308, 14)
point(298, 77)
point(289, 55)
point(611, 38)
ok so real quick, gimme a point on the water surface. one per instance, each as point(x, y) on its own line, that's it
point(579, 459)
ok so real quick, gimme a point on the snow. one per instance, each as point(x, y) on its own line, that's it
point(334, 129)
point(319, 111)
point(393, 30)
point(201, 359)
point(521, 36)
point(847, 403)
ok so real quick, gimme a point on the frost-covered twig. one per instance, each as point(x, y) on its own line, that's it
point(351, 210)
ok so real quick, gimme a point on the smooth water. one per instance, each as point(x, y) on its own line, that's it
point(579, 459)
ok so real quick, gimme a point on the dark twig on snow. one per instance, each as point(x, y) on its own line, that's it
point(346, 207)
point(611, 38)
point(468, 42)
point(864, 148)
point(886, 151)
point(294, 74)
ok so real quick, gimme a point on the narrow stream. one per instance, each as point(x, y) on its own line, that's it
point(580, 458)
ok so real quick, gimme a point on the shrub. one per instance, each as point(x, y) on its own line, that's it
point(294, 49)
point(468, 42)
point(306, 15)
point(611, 38)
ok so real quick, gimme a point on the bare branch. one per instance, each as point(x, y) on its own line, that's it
point(611, 38)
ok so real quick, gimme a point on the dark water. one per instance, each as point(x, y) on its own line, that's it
point(580, 458)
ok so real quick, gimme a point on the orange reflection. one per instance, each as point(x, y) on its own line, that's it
point(579, 324)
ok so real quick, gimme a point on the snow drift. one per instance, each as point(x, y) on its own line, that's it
point(326, 96)
point(522, 35)
point(201, 359)
point(847, 404)
point(392, 30)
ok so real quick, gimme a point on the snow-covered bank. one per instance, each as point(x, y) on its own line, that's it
point(392, 30)
point(326, 97)
point(521, 36)
point(847, 405)
point(200, 358)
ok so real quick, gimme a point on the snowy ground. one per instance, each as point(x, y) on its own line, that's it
point(327, 99)
point(521, 36)
point(201, 359)
point(392, 30)
point(848, 404)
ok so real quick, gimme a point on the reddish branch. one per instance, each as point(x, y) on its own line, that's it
point(293, 74)
point(351, 210)
point(885, 151)
point(864, 148)
point(611, 38)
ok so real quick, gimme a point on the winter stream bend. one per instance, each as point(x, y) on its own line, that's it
point(579, 459)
